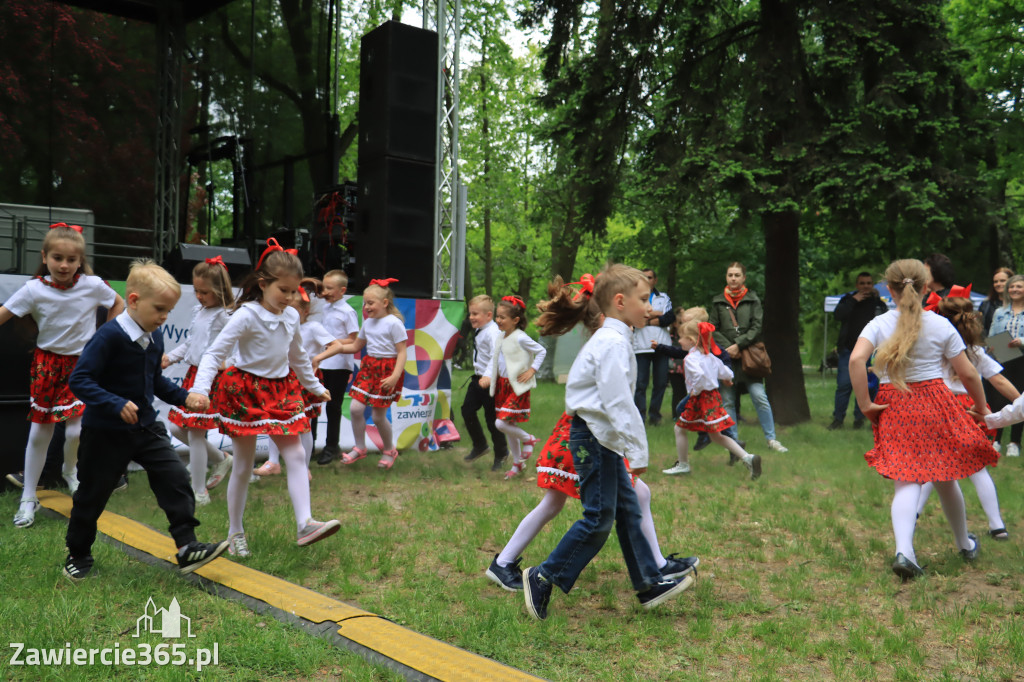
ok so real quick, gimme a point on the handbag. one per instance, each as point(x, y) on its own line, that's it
point(754, 359)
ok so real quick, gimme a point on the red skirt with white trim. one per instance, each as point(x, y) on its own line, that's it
point(312, 403)
point(926, 435)
point(187, 419)
point(366, 387)
point(508, 406)
point(705, 412)
point(249, 405)
point(555, 469)
point(52, 399)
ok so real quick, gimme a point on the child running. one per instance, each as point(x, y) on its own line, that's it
point(381, 371)
point(315, 338)
point(340, 320)
point(260, 394)
point(117, 377)
point(960, 312)
point(481, 318)
point(606, 430)
point(556, 473)
point(62, 298)
point(516, 360)
point(921, 432)
point(704, 412)
point(213, 291)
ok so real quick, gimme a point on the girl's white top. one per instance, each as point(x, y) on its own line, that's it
point(983, 362)
point(340, 320)
point(704, 372)
point(600, 390)
point(268, 344)
point(937, 340)
point(513, 355)
point(66, 317)
point(382, 334)
point(206, 325)
point(314, 337)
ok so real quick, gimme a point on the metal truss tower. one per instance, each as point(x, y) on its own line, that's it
point(170, 31)
point(445, 18)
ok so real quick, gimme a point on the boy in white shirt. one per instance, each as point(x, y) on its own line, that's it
point(606, 431)
point(481, 318)
point(339, 318)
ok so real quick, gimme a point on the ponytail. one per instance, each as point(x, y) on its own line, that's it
point(906, 278)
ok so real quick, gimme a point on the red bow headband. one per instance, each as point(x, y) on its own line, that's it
point(384, 283)
point(955, 291)
point(586, 285)
point(514, 300)
point(217, 260)
point(707, 341)
point(76, 228)
point(272, 246)
point(303, 294)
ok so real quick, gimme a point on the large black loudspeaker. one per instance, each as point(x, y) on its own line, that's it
point(17, 342)
point(398, 119)
point(181, 262)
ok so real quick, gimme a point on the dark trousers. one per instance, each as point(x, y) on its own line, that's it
point(678, 384)
point(103, 455)
point(650, 367)
point(335, 381)
point(476, 398)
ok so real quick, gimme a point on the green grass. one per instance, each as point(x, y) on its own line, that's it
point(794, 582)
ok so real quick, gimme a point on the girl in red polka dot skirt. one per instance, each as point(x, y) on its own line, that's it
point(921, 432)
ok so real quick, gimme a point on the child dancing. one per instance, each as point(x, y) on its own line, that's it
point(606, 429)
point(481, 318)
point(62, 298)
point(921, 432)
point(213, 291)
point(516, 360)
point(704, 412)
point(378, 382)
point(340, 320)
point(260, 394)
point(117, 377)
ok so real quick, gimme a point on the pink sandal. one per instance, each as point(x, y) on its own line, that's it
point(354, 455)
point(387, 459)
point(268, 469)
point(528, 447)
point(514, 471)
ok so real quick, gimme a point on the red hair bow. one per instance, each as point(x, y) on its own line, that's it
point(932, 303)
point(385, 283)
point(303, 294)
point(272, 246)
point(586, 284)
point(957, 291)
point(76, 228)
point(217, 260)
point(707, 341)
point(514, 300)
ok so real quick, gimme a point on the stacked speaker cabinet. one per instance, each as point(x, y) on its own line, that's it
point(398, 124)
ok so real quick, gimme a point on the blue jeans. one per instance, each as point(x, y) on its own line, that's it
point(646, 363)
point(844, 388)
point(607, 495)
point(759, 397)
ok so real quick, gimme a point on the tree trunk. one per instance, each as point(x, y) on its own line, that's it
point(782, 316)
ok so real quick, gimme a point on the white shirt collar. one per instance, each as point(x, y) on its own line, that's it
point(132, 329)
point(289, 317)
point(619, 326)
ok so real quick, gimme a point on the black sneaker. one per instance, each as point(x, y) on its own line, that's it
point(858, 423)
point(732, 458)
point(76, 569)
point(17, 480)
point(537, 590)
point(838, 424)
point(972, 553)
point(326, 455)
point(663, 590)
point(508, 577)
point(499, 462)
point(654, 420)
point(703, 440)
point(476, 453)
point(906, 569)
point(198, 554)
point(122, 484)
point(677, 568)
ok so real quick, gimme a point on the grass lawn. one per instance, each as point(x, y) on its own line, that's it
point(794, 581)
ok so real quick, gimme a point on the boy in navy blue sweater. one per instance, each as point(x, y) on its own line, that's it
point(116, 377)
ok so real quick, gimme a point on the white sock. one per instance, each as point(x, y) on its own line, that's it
point(244, 448)
point(357, 414)
point(643, 496)
point(682, 449)
point(39, 436)
point(307, 445)
point(274, 454)
point(953, 505)
point(904, 517)
point(298, 478)
point(922, 500)
point(730, 445)
point(548, 508)
point(72, 435)
point(197, 459)
point(986, 490)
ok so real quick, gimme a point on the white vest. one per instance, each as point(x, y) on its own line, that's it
point(517, 361)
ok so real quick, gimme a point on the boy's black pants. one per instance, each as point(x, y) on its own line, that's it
point(476, 398)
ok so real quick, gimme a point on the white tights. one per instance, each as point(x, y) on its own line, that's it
point(201, 453)
point(551, 505)
point(516, 436)
point(39, 437)
point(238, 485)
point(380, 420)
point(306, 438)
point(904, 514)
point(987, 495)
point(682, 447)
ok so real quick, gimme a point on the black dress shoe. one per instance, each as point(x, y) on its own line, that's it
point(326, 456)
point(858, 423)
point(499, 462)
point(972, 553)
point(476, 453)
point(703, 440)
point(838, 424)
point(905, 568)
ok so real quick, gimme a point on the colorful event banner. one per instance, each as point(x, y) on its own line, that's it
point(421, 419)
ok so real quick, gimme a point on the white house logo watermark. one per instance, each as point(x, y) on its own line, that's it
point(168, 623)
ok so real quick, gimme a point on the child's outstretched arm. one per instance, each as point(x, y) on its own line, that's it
point(392, 381)
point(1004, 387)
point(116, 309)
point(347, 345)
point(971, 380)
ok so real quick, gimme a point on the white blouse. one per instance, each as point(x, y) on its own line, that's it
point(381, 335)
point(66, 318)
point(206, 324)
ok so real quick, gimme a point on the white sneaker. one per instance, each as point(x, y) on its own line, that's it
point(202, 498)
point(678, 468)
point(315, 531)
point(997, 446)
point(72, 481)
point(777, 446)
point(1013, 450)
point(238, 546)
point(219, 471)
